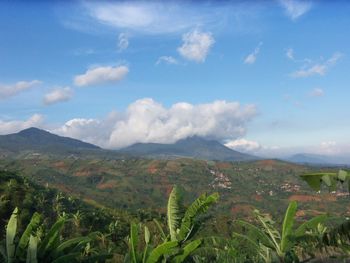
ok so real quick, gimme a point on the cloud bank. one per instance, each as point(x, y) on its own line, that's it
point(146, 120)
point(243, 145)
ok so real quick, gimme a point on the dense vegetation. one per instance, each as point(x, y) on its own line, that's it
point(43, 225)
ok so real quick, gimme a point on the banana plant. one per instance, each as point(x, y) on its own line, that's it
point(273, 244)
point(18, 250)
point(34, 247)
point(169, 251)
point(183, 224)
point(316, 180)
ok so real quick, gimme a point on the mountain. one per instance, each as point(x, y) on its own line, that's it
point(34, 139)
point(308, 158)
point(193, 147)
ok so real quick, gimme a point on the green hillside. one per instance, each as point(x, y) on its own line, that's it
point(143, 183)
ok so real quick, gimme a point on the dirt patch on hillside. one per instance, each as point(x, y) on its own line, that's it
point(305, 198)
point(62, 166)
point(107, 185)
point(83, 173)
point(153, 167)
point(223, 165)
point(313, 198)
point(242, 210)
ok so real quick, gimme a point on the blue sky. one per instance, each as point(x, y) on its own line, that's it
point(269, 77)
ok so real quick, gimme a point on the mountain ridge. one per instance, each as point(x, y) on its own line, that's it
point(35, 139)
point(38, 139)
point(194, 147)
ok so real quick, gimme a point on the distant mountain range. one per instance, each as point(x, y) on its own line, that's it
point(308, 158)
point(37, 140)
point(194, 147)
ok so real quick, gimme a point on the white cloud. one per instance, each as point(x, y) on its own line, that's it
point(317, 69)
point(146, 120)
point(7, 91)
point(316, 92)
point(296, 8)
point(13, 126)
point(243, 145)
point(167, 60)
point(152, 17)
point(101, 75)
point(251, 58)
point(58, 95)
point(123, 42)
point(196, 45)
point(290, 54)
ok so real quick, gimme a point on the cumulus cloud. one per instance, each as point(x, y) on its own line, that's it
point(251, 58)
point(123, 42)
point(295, 8)
point(243, 145)
point(101, 75)
point(58, 95)
point(13, 126)
point(317, 69)
point(316, 92)
point(11, 90)
point(146, 120)
point(167, 60)
point(196, 45)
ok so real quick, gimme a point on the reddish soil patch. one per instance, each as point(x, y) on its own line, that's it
point(300, 213)
point(60, 166)
point(267, 162)
point(107, 185)
point(83, 173)
point(223, 165)
point(245, 210)
point(258, 198)
point(153, 167)
point(308, 198)
point(305, 198)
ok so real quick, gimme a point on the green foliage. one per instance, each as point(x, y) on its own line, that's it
point(27, 235)
point(270, 243)
point(182, 225)
point(174, 212)
point(330, 180)
point(11, 230)
point(32, 250)
point(287, 226)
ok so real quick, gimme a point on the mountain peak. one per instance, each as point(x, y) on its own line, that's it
point(33, 131)
point(38, 139)
point(193, 147)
